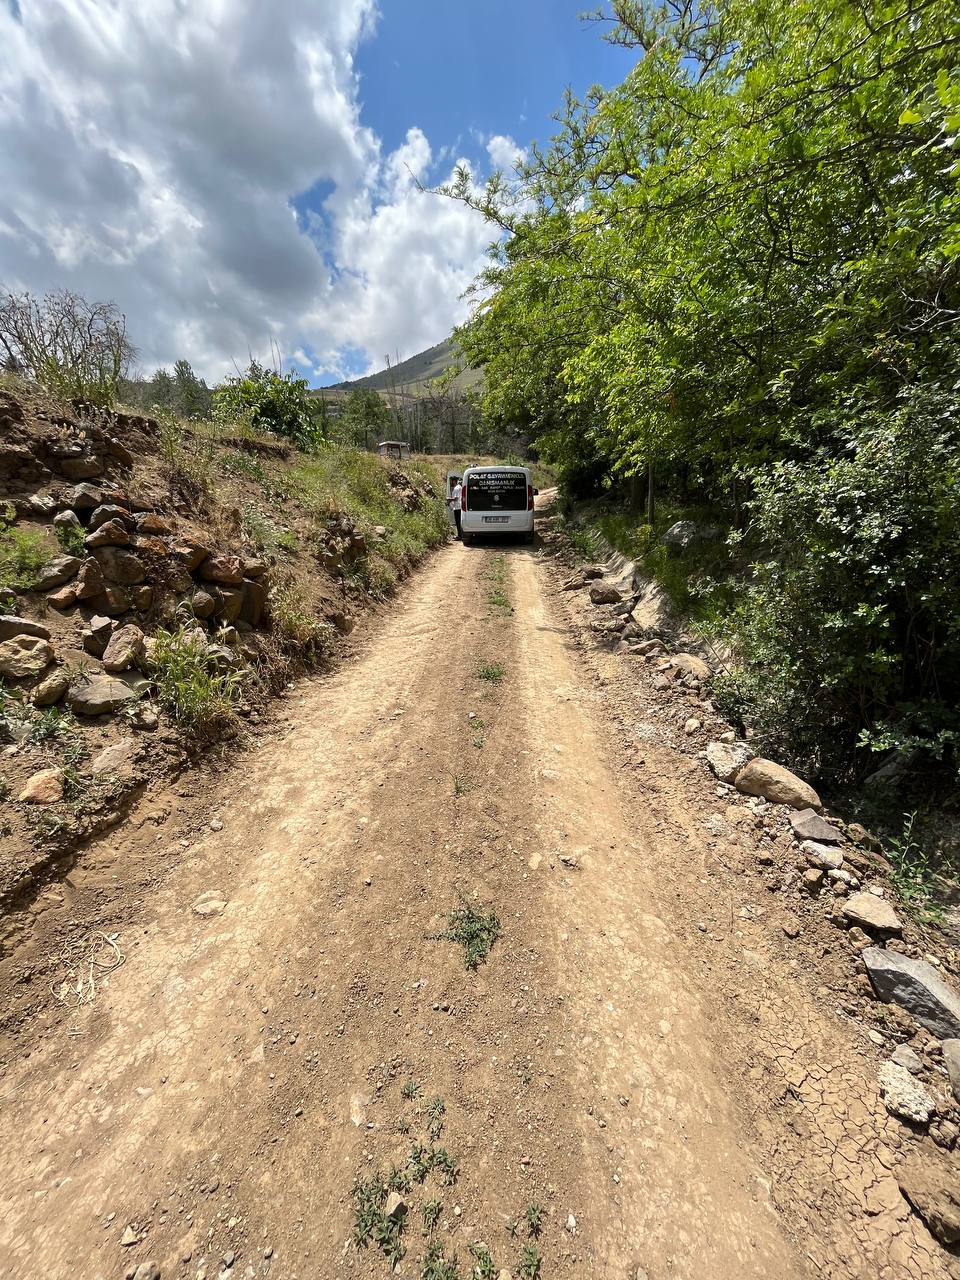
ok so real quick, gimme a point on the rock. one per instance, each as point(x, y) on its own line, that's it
point(62, 599)
point(191, 553)
point(67, 520)
point(395, 1206)
point(605, 593)
point(112, 601)
point(726, 759)
point(147, 1271)
point(861, 836)
point(104, 514)
point(142, 598)
point(255, 568)
point(904, 1057)
point(951, 1060)
point(210, 903)
point(58, 571)
point(808, 825)
point(902, 1095)
point(150, 523)
point(933, 1188)
point(822, 855)
point(917, 987)
point(85, 467)
point(111, 534)
point(98, 695)
point(812, 880)
point(50, 690)
point(870, 912)
point(42, 505)
point(691, 665)
point(129, 1237)
point(791, 925)
point(229, 604)
point(202, 604)
point(120, 566)
point(685, 533)
point(89, 583)
point(85, 497)
point(692, 725)
point(649, 646)
point(24, 656)
point(145, 718)
point(11, 626)
point(775, 783)
point(45, 787)
point(222, 569)
point(254, 602)
point(124, 648)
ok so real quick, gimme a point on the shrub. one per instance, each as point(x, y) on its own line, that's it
point(21, 554)
point(296, 624)
point(271, 401)
point(74, 348)
point(190, 683)
point(849, 634)
point(70, 537)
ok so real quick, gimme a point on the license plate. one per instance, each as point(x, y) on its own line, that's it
point(496, 519)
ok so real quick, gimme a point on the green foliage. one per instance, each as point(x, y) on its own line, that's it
point(293, 620)
point(475, 931)
point(530, 1262)
point(180, 393)
point(431, 1211)
point(913, 871)
point(736, 273)
point(264, 533)
point(190, 683)
point(370, 1224)
point(492, 672)
point(435, 1112)
point(483, 1268)
point(270, 401)
point(534, 1216)
point(435, 1266)
point(364, 419)
point(70, 537)
point(22, 553)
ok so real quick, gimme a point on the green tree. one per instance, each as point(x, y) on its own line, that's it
point(364, 418)
point(271, 401)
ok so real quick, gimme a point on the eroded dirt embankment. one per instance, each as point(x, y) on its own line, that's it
point(640, 1055)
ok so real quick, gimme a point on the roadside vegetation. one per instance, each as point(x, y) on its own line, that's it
point(728, 292)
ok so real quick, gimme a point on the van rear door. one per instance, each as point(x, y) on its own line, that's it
point(490, 490)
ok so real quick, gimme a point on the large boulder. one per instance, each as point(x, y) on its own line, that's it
point(11, 626)
point(85, 497)
point(90, 581)
point(226, 570)
point(114, 533)
point(99, 695)
point(917, 987)
point(50, 689)
point(691, 665)
point(808, 825)
point(951, 1060)
point(58, 571)
point(119, 566)
point(873, 913)
point(150, 523)
point(24, 656)
point(775, 783)
point(686, 533)
point(123, 649)
point(933, 1188)
point(254, 602)
point(605, 593)
point(107, 512)
point(726, 759)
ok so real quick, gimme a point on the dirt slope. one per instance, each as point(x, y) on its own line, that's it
point(688, 1111)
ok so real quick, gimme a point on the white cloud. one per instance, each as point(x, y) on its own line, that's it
point(504, 153)
point(150, 153)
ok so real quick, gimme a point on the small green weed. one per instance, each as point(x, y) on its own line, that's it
point(4, 789)
point(491, 671)
point(444, 1163)
point(512, 1227)
point(435, 1113)
point(21, 554)
point(420, 1161)
point(293, 621)
point(431, 1210)
point(913, 872)
point(50, 724)
point(266, 534)
point(461, 786)
point(483, 1268)
point(398, 1180)
point(499, 599)
point(70, 538)
point(534, 1219)
point(478, 741)
point(189, 682)
point(436, 1267)
point(475, 931)
point(410, 1089)
point(370, 1224)
point(530, 1261)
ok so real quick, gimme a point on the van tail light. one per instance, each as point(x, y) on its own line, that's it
point(529, 497)
point(463, 498)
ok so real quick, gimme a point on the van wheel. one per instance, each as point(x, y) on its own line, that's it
point(466, 539)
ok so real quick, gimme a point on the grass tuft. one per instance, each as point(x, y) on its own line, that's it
point(189, 682)
point(475, 931)
point(491, 671)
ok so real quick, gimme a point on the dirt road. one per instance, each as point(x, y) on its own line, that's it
point(212, 1106)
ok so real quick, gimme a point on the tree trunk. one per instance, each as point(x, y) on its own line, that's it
point(651, 504)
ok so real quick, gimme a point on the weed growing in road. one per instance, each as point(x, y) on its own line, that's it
point(436, 1267)
point(534, 1219)
point(478, 742)
point(530, 1262)
point(370, 1224)
point(491, 671)
point(435, 1113)
point(420, 1161)
point(444, 1163)
point(399, 1180)
point(471, 929)
point(499, 599)
point(431, 1210)
point(483, 1268)
point(461, 786)
point(410, 1090)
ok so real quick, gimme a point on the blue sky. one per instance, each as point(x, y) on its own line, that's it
point(237, 176)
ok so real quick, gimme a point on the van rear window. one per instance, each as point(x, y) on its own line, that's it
point(497, 491)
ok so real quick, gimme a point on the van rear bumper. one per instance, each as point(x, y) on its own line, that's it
point(494, 523)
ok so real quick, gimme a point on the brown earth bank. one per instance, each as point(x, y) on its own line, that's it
point(238, 1006)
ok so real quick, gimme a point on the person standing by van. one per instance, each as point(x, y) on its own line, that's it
point(454, 502)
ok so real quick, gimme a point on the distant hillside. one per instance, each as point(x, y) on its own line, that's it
point(410, 377)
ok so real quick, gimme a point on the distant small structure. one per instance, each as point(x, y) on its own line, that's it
point(393, 449)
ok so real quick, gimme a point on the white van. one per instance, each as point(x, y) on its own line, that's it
point(497, 500)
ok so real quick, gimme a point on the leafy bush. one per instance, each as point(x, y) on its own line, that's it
point(21, 554)
point(74, 348)
point(190, 682)
point(70, 537)
point(849, 634)
point(271, 402)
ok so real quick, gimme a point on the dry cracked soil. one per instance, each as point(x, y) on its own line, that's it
point(677, 1103)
